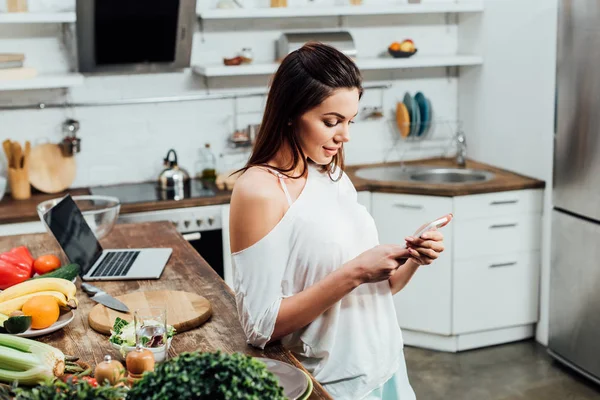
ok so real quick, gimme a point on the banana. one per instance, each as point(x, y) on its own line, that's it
point(40, 285)
point(17, 303)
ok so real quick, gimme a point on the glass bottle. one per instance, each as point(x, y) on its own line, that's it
point(206, 166)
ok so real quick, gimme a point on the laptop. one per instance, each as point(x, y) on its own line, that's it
point(80, 245)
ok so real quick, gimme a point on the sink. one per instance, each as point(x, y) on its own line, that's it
point(451, 175)
point(425, 174)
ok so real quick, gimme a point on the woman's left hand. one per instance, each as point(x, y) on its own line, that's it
point(427, 248)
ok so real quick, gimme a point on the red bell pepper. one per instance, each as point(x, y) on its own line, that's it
point(11, 274)
point(16, 266)
point(23, 252)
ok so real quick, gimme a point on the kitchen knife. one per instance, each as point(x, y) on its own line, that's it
point(104, 298)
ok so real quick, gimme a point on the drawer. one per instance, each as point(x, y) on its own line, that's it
point(495, 292)
point(479, 237)
point(499, 204)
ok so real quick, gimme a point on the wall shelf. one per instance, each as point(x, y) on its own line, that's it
point(43, 82)
point(367, 64)
point(37, 18)
point(293, 12)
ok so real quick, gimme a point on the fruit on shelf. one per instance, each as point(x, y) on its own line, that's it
point(406, 48)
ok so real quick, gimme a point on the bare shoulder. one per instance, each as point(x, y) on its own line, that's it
point(257, 205)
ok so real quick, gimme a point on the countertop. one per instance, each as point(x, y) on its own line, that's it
point(503, 180)
point(186, 270)
point(14, 211)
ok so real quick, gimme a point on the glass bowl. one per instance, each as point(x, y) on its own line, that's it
point(100, 212)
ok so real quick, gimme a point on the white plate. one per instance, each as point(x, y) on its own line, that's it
point(292, 379)
point(64, 320)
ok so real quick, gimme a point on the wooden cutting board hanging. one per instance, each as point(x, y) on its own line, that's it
point(185, 310)
point(49, 170)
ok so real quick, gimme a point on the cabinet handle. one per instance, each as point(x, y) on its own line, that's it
point(503, 202)
point(192, 236)
point(506, 264)
point(498, 226)
point(409, 206)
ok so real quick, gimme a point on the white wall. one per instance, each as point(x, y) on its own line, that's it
point(508, 104)
point(127, 143)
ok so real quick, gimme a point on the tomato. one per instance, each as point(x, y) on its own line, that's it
point(73, 379)
point(91, 381)
point(46, 263)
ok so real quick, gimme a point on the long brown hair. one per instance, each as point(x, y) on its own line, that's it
point(305, 78)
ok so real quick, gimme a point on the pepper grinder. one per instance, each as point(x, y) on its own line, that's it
point(139, 361)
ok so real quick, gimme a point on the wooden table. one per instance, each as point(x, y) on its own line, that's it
point(186, 270)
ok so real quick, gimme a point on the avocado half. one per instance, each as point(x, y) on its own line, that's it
point(17, 324)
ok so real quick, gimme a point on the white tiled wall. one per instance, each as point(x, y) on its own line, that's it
point(127, 143)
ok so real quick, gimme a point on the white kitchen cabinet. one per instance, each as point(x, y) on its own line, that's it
point(495, 292)
point(498, 235)
point(483, 290)
point(426, 303)
point(499, 204)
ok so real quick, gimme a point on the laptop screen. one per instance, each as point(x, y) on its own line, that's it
point(73, 233)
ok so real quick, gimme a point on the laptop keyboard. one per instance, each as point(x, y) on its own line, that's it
point(116, 263)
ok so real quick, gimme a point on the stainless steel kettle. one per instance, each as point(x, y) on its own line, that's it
point(173, 177)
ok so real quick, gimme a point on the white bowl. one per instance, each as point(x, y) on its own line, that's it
point(159, 353)
point(100, 212)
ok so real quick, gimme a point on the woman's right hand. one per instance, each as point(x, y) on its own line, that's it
point(379, 263)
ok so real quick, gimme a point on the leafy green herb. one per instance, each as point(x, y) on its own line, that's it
point(204, 376)
point(59, 390)
point(119, 324)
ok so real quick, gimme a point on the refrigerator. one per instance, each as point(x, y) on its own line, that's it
point(574, 324)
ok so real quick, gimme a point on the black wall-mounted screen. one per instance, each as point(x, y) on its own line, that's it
point(135, 31)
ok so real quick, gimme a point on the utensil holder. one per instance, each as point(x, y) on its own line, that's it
point(278, 3)
point(16, 5)
point(19, 183)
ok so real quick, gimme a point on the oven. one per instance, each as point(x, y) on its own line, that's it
point(202, 227)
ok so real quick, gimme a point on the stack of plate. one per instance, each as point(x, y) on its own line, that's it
point(413, 115)
point(296, 384)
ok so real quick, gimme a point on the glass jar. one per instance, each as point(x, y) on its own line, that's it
point(206, 166)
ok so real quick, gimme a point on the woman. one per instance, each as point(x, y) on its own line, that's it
point(309, 270)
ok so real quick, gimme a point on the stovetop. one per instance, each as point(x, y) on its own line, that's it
point(149, 192)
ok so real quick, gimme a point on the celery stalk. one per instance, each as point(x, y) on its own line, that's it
point(34, 361)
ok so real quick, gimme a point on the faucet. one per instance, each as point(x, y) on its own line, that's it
point(461, 149)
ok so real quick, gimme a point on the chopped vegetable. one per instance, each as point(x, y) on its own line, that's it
point(208, 376)
point(28, 362)
point(123, 334)
point(46, 263)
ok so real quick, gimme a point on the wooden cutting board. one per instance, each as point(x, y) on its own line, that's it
point(185, 310)
point(49, 170)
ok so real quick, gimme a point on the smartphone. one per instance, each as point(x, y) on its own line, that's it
point(438, 223)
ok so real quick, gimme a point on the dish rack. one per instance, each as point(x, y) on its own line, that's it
point(440, 134)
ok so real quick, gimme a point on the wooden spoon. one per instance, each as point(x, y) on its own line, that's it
point(27, 152)
point(17, 152)
point(8, 151)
